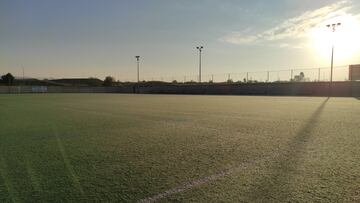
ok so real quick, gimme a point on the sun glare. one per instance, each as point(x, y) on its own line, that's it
point(345, 39)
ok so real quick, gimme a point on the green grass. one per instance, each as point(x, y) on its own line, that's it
point(124, 148)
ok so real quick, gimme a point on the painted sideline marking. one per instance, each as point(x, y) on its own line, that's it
point(194, 183)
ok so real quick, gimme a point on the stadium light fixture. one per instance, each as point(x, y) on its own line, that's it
point(200, 51)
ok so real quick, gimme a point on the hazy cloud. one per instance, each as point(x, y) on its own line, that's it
point(293, 28)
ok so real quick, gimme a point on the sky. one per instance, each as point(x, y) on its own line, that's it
point(92, 38)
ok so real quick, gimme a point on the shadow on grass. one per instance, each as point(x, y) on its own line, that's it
point(274, 185)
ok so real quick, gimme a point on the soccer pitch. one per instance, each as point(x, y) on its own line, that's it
point(130, 148)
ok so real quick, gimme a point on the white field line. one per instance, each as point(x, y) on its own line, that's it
point(211, 178)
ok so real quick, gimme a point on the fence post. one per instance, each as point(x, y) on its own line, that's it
point(292, 72)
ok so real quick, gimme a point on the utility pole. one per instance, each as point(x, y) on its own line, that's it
point(200, 51)
point(23, 72)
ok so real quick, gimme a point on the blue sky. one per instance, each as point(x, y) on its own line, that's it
point(83, 38)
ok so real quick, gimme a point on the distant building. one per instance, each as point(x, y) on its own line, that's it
point(79, 81)
point(354, 72)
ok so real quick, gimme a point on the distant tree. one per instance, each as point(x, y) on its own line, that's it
point(300, 77)
point(8, 79)
point(109, 81)
point(229, 81)
point(174, 81)
point(210, 81)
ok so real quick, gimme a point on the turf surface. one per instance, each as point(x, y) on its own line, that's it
point(126, 148)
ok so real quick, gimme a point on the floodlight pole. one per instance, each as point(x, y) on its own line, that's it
point(333, 29)
point(200, 51)
point(332, 63)
point(138, 63)
point(138, 72)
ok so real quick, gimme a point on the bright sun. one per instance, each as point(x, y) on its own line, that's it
point(346, 38)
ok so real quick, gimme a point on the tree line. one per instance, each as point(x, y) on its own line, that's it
point(7, 79)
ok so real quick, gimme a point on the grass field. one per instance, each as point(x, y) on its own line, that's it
point(126, 148)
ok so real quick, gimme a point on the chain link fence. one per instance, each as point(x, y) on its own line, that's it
point(340, 73)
